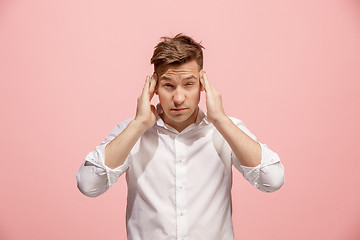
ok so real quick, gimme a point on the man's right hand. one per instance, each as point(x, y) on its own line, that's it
point(145, 111)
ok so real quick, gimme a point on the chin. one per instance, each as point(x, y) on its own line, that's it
point(178, 118)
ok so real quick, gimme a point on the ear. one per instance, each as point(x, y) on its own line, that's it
point(156, 86)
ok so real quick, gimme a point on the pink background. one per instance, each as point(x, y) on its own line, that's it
point(71, 70)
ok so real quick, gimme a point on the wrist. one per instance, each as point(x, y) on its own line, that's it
point(221, 120)
point(142, 126)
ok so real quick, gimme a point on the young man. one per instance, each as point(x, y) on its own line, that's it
point(178, 161)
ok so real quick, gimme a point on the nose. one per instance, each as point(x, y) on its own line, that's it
point(179, 97)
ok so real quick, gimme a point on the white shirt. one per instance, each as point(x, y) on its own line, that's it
point(179, 184)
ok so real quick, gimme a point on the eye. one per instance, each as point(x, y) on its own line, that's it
point(189, 84)
point(168, 85)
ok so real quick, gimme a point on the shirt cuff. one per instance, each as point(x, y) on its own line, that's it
point(251, 174)
point(97, 157)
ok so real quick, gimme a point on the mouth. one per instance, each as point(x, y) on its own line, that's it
point(178, 109)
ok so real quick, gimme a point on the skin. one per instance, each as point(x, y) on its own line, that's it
point(179, 96)
point(179, 91)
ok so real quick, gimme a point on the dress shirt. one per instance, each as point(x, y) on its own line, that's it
point(179, 184)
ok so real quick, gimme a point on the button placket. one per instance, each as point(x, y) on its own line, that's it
point(181, 199)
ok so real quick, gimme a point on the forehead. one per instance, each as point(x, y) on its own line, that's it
point(185, 70)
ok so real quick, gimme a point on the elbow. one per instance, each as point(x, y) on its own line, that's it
point(87, 191)
point(89, 183)
point(269, 188)
point(271, 178)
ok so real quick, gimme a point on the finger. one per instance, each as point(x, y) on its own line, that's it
point(202, 80)
point(154, 75)
point(146, 85)
point(153, 109)
point(145, 91)
point(210, 87)
point(152, 84)
point(207, 85)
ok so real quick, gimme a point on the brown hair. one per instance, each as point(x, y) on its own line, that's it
point(174, 51)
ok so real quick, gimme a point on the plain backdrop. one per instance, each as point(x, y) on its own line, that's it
point(71, 70)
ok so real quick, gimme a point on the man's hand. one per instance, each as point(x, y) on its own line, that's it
point(145, 111)
point(215, 111)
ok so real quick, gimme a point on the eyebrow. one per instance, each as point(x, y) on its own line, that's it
point(190, 77)
point(187, 78)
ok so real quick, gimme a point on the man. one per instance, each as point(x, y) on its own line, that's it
point(178, 160)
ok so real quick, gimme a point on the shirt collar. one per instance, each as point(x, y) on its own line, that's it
point(201, 118)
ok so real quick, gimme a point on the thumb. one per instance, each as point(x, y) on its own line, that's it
point(152, 108)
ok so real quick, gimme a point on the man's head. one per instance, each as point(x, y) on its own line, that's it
point(175, 51)
point(177, 64)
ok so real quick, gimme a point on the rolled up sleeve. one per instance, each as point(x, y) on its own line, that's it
point(94, 177)
point(269, 175)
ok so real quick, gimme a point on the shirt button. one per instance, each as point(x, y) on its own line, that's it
point(181, 213)
point(180, 159)
point(181, 187)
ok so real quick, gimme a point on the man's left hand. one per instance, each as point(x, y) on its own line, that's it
point(215, 111)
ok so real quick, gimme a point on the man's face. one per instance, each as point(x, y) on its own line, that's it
point(179, 94)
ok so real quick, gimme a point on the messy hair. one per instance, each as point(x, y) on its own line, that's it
point(175, 51)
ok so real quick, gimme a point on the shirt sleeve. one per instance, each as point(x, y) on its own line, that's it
point(94, 177)
point(269, 175)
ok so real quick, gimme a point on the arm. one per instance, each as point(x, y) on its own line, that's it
point(259, 165)
point(103, 167)
point(119, 148)
point(245, 148)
